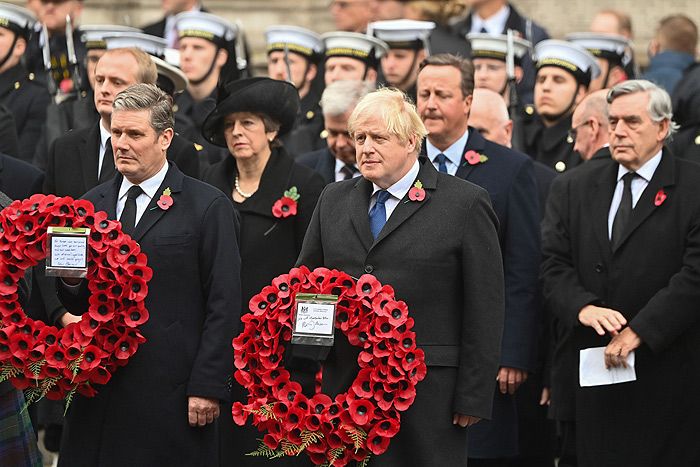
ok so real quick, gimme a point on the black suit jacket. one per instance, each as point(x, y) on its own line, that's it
point(72, 163)
point(509, 178)
point(442, 257)
point(653, 279)
point(194, 306)
point(322, 161)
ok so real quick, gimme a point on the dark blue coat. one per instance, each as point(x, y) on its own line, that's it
point(509, 178)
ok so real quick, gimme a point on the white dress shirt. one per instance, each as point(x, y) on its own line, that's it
point(453, 153)
point(339, 175)
point(104, 136)
point(638, 186)
point(149, 187)
point(397, 191)
point(494, 25)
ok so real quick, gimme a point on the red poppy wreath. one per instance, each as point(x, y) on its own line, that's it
point(357, 423)
point(43, 360)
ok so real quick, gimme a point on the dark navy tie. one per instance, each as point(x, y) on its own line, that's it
point(377, 215)
point(442, 162)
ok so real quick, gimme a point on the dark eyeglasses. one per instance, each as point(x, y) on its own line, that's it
point(572, 133)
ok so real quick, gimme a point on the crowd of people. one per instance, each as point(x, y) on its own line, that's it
point(559, 213)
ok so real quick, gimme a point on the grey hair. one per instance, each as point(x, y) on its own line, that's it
point(660, 107)
point(342, 96)
point(148, 97)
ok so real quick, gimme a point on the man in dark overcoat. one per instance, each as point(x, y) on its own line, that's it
point(161, 408)
point(622, 271)
point(445, 87)
point(440, 254)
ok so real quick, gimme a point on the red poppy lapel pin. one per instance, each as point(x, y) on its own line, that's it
point(660, 197)
point(287, 205)
point(472, 157)
point(416, 193)
point(165, 200)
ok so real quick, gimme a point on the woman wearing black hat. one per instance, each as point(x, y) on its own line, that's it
point(274, 196)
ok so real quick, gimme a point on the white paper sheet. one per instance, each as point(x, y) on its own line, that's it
point(592, 371)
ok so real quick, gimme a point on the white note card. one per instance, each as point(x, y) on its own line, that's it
point(592, 371)
point(69, 252)
point(315, 318)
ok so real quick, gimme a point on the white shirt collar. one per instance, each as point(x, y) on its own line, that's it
point(149, 186)
point(340, 164)
point(399, 189)
point(453, 153)
point(494, 25)
point(646, 171)
point(104, 135)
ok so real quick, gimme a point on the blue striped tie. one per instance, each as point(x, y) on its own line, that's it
point(442, 162)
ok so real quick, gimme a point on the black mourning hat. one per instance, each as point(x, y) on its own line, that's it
point(277, 99)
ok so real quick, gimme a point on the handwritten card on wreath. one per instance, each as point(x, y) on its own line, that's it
point(67, 251)
point(314, 319)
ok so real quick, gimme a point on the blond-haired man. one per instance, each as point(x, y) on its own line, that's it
point(441, 255)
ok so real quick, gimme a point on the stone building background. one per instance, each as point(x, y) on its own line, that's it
point(558, 16)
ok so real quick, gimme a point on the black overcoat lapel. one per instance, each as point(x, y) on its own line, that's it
point(664, 176)
point(600, 206)
point(358, 205)
point(173, 180)
point(406, 208)
point(475, 142)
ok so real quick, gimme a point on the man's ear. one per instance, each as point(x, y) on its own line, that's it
point(165, 138)
point(311, 72)
point(221, 57)
point(371, 75)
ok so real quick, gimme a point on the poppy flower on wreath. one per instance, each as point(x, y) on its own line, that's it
point(286, 206)
point(472, 157)
point(354, 425)
point(43, 360)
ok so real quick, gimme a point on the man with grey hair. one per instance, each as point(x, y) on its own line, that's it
point(621, 241)
point(337, 161)
point(589, 127)
point(161, 408)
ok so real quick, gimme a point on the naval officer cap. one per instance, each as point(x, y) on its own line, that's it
point(611, 47)
point(93, 35)
point(152, 45)
point(569, 57)
point(361, 47)
point(402, 33)
point(294, 39)
point(206, 26)
point(171, 79)
point(496, 47)
point(17, 19)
